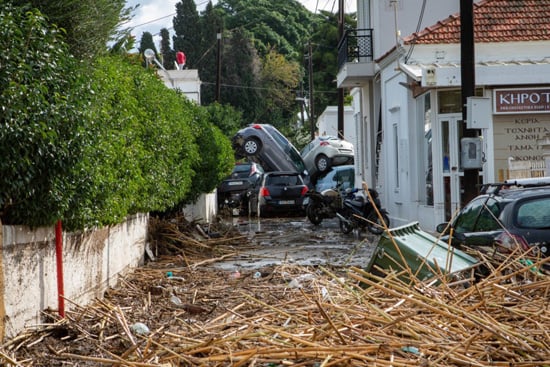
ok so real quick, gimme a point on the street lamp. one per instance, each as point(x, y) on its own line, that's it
point(150, 56)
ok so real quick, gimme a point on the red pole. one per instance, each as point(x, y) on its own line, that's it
point(59, 261)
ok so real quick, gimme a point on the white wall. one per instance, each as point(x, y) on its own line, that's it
point(92, 261)
point(327, 123)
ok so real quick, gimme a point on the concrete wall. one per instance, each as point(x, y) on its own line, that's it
point(92, 261)
point(204, 209)
point(327, 123)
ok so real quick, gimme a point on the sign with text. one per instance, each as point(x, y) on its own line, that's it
point(532, 100)
point(517, 137)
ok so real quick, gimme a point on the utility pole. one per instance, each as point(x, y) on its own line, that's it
point(311, 107)
point(218, 65)
point(467, 73)
point(341, 90)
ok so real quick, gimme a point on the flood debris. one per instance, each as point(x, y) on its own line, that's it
point(337, 317)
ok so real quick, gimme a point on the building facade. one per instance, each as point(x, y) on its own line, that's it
point(416, 148)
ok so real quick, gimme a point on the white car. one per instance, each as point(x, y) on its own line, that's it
point(324, 152)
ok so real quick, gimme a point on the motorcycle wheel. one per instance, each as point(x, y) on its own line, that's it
point(378, 226)
point(313, 213)
point(346, 226)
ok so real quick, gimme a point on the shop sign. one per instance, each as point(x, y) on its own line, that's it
point(532, 100)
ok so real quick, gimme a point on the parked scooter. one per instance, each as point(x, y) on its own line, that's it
point(359, 212)
point(323, 205)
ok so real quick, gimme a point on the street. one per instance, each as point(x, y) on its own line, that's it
point(294, 240)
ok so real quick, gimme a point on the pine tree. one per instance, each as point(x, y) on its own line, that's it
point(168, 55)
point(211, 23)
point(145, 43)
point(188, 36)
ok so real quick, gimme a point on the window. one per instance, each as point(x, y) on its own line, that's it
point(534, 214)
point(487, 220)
point(467, 219)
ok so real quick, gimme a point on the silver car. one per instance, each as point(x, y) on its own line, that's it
point(324, 152)
point(264, 144)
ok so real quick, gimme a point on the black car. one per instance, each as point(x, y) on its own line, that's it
point(265, 145)
point(505, 214)
point(233, 191)
point(281, 192)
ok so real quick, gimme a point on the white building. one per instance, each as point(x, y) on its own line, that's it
point(416, 149)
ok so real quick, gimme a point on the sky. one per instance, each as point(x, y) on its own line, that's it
point(153, 15)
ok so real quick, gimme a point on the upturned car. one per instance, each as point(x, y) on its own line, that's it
point(325, 152)
point(265, 145)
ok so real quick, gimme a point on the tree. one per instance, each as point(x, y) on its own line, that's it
point(282, 24)
point(89, 24)
point(241, 75)
point(211, 23)
point(168, 55)
point(145, 43)
point(279, 79)
point(186, 26)
point(325, 40)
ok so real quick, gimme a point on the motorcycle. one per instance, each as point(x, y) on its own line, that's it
point(359, 212)
point(323, 205)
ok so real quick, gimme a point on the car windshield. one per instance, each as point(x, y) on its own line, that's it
point(283, 180)
point(534, 214)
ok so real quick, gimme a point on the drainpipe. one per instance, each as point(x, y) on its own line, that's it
point(59, 262)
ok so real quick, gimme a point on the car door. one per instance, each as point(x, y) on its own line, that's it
point(477, 223)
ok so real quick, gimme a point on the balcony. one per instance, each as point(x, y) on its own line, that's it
point(355, 58)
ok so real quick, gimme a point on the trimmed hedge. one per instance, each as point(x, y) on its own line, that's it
point(91, 144)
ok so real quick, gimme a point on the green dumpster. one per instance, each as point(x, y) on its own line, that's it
point(411, 252)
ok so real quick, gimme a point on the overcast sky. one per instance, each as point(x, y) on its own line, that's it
point(153, 15)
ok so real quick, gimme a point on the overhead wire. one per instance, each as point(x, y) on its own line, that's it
point(418, 25)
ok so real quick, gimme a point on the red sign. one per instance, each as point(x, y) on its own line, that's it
point(535, 100)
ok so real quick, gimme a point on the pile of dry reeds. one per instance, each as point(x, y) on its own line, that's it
point(172, 314)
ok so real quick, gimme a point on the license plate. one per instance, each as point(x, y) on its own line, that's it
point(286, 202)
point(235, 183)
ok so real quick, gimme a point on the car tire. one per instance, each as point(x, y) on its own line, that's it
point(322, 162)
point(252, 146)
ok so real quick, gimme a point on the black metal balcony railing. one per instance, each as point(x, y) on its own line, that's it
point(355, 46)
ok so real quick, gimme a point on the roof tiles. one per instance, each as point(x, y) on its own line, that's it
point(494, 21)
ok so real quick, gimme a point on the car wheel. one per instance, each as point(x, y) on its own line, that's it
point(251, 146)
point(322, 162)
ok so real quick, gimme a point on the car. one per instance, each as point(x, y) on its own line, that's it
point(339, 177)
point(324, 152)
point(265, 145)
point(234, 190)
point(279, 192)
point(503, 215)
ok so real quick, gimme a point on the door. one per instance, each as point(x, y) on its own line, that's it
point(450, 128)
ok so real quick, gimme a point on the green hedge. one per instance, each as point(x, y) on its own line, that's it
point(91, 144)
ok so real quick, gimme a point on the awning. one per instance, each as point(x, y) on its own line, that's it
point(486, 73)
